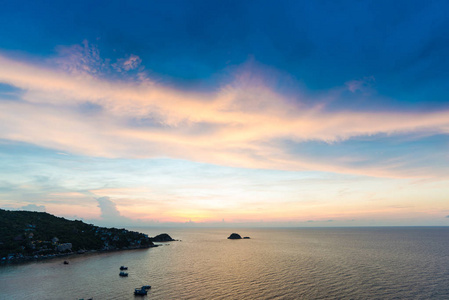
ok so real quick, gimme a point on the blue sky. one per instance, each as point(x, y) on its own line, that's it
point(236, 112)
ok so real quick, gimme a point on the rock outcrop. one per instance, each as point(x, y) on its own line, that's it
point(234, 236)
point(162, 238)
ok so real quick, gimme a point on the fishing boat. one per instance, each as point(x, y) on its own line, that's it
point(123, 274)
point(140, 292)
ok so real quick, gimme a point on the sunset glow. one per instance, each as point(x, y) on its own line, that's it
point(155, 124)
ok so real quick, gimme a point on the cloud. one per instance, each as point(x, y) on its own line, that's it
point(85, 60)
point(108, 208)
point(242, 124)
point(131, 63)
point(33, 207)
point(80, 59)
point(110, 215)
point(362, 85)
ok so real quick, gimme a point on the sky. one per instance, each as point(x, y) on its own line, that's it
point(226, 113)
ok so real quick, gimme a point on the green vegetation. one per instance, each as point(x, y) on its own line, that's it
point(25, 234)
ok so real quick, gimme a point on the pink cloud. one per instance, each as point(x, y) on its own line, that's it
point(132, 62)
point(237, 126)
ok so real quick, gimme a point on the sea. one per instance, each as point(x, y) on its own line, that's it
point(281, 263)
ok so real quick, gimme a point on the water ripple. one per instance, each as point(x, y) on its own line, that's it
point(386, 263)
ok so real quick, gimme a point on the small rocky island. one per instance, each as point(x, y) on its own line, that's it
point(163, 237)
point(236, 236)
point(27, 235)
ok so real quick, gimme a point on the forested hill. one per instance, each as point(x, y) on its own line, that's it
point(25, 234)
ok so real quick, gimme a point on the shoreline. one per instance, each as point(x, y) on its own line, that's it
point(30, 259)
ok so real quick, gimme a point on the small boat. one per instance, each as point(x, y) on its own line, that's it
point(123, 274)
point(140, 292)
point(66, 262)
point(123, 268)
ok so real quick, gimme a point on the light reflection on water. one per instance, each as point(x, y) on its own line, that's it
point(363, 263)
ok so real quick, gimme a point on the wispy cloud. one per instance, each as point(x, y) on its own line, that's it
point(244, 123)
point(127, 64)
point(362, 85)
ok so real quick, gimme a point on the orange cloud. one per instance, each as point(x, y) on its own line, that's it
point(238, 125)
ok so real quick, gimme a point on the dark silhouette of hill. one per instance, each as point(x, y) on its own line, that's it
point(25, 234)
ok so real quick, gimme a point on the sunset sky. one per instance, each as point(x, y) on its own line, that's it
point(226, 113)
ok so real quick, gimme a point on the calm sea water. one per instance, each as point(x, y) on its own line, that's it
point(346, 263)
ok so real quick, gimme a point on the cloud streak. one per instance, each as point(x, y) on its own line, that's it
point(244, 123)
